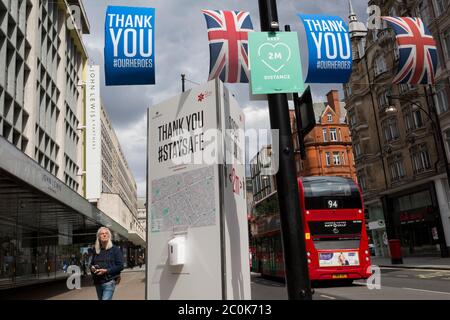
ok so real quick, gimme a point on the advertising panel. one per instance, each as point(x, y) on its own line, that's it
point(129, 46)
point(235, 204)
point(275, 63)
point(338, 259)
point(197, 229)
point(93, 134)
point(330, 49)
point(183, 198)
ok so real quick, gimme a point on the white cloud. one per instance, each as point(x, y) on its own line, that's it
point(257, 118)
point(133, 141)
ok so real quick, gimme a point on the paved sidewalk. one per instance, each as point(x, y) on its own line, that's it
point(131, 287)
point(433, 263)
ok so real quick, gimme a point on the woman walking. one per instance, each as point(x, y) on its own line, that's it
point(106, 264)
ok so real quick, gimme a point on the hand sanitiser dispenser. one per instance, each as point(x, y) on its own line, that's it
point(177, 251)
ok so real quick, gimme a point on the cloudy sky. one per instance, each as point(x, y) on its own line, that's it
point(181, 47)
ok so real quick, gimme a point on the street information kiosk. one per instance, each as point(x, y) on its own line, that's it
point(197, 227)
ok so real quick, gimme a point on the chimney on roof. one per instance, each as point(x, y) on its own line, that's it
point(333, 102)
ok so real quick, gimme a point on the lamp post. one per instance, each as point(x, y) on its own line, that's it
point(439, 141)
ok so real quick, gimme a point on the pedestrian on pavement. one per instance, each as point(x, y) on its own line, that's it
point(106, 265)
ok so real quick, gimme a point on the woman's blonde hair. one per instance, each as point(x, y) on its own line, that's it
point(97, 242)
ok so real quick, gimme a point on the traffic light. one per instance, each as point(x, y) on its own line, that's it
point(305, 117)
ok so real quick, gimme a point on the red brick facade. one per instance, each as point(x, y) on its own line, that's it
point(328, 146)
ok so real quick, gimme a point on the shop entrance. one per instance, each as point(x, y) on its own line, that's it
point(417, 224)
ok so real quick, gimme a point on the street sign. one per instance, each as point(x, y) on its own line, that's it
point(275, 65)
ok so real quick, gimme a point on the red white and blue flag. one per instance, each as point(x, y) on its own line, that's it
point(228, 44)
point(418, 53)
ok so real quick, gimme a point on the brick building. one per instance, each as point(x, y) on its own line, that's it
point(399, 168)
point(328, 146)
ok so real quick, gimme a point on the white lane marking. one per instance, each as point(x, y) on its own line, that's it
point(415, 269)
point(432, 275)
point(360, 283)
point(429, 291)
point(328, 297)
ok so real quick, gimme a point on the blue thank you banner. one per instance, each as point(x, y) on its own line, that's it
point(330, 49)
point(129, 46)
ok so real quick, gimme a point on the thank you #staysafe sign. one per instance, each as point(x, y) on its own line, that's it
point(129, 46)
point(330, 50)
point(275, 64)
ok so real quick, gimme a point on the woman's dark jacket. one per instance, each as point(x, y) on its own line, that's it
point(111, 260)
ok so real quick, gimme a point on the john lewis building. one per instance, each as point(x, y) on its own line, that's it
point(45, 220)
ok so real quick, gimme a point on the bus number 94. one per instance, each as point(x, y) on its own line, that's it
point(332, 204)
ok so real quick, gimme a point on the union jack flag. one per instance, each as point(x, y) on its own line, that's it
point(228, 44)
point(418, 52)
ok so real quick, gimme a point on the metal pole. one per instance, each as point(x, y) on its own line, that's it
point(183, 79)
point(293, 235)
point(298, 117)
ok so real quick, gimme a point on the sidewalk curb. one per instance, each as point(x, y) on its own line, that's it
point(416, 267)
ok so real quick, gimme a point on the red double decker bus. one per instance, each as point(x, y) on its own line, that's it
point(335, 233)
point(337, 244)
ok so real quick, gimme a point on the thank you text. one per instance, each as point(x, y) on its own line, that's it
point(330, 50)
point(129, 46)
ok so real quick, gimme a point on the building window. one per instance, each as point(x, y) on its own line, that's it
point(353, 120)
point(330, 117)
point(336, 159)
point(440, 6)
point(397, 170)
point(391, 131)
point(441, 99)
point(361, 180)
point(446, 40)
point(383, 99)
point(417, 116)
point(328, 158)
point(333, 135)
point(380, 65)
point(420, 159)
point(357, 149)
point(361, 48)
point(424, 12)
point(447, 140)
point(392, 12)
point(408, 122)
point(405, 87)
point(324, 131)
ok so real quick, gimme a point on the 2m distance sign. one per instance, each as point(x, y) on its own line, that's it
point(275, 62)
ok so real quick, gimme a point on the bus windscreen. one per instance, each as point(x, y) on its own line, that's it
point(331, 193)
